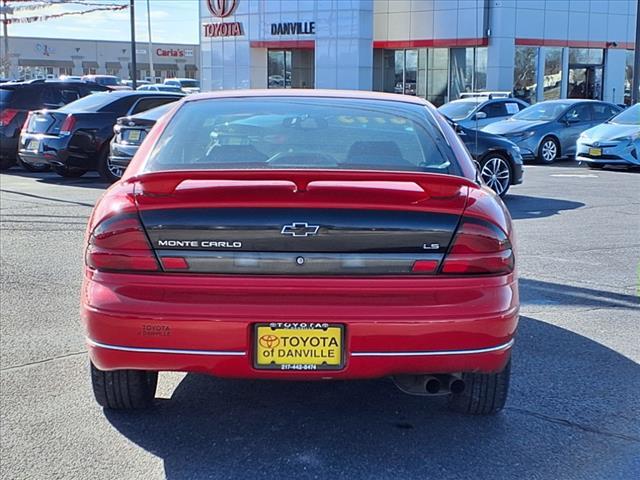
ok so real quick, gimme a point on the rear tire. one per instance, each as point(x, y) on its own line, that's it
point(124, 389)
point(549, 150)
point(6, 163)
point(69, 172)
point(484, 393)
point(43, 167)
point(106, 170)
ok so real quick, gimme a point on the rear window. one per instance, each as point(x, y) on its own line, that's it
point(90, 103)
point(5, 95)
point(298, 133)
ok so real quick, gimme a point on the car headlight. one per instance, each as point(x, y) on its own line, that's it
point(522, 135)
point(627, 138)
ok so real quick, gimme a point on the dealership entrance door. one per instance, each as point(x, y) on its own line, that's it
point(585, 73)
point(292, 68)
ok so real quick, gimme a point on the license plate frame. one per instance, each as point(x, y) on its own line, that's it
point(595, 152)
point(292, 327)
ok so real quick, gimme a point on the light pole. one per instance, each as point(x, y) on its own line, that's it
point(636, 61)
point(134, 67)
point(151, 71)
point(6, 59)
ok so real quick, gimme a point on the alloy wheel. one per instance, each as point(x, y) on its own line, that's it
point(549, 151)
point(115, 170)
point(496, 174)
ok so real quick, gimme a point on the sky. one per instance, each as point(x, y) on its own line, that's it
point(172, 21)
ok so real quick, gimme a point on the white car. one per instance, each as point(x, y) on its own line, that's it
point(614, 142)
point(188, 85)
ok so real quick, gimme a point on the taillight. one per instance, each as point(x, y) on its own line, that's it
point(6, 115)
point(120, 244)
point(68, 125)
point(479, 248)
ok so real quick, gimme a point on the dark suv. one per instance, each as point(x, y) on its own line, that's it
point(18, 98)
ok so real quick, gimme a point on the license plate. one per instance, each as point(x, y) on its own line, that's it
point(299, 346)
point(33, 145)
point(133, 135)
point(595, 152)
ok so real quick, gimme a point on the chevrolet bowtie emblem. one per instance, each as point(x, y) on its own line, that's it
point(300, 229)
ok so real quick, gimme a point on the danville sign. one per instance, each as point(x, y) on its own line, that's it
point(222, 9)
point(293, 28)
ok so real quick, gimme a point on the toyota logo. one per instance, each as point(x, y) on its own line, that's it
point(269, 341)
point(222, 8)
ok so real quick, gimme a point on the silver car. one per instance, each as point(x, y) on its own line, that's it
point(549, 130)
point(479, 111)
point(614, 142)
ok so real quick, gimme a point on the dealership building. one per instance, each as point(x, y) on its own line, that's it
point(50, 58)
point(434, 49)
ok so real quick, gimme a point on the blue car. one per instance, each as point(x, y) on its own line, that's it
point(549, 130)
point(479, 111)
point(614, 142)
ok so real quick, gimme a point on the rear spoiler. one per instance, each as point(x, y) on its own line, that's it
point(165, 183)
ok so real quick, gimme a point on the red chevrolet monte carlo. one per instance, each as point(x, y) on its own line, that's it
point(302, 235)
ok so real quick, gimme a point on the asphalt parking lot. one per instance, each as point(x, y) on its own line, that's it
point(573, 411)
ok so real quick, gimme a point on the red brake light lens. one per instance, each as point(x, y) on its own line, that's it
point(6, 115)
point(479, 248)
point(120, 244)
point(68, 125)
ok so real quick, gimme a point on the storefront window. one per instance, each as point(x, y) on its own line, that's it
point(66, 71)
point(410, 72)
point(586, 56)
point(400, 71)
point(437, 82)
point(291, 68)
point(279, 69)
point(480, 75)
point(89, 71)
point(585, 73)
point(468, 70)
point(461, 71)
point(552, 73)
point(524, 73)
point(628, 77)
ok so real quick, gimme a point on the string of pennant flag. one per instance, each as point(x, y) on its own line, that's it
point(43, 18)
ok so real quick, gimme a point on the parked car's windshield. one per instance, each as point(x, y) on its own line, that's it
point(630, 116)
point(458, 110)
point(544, 111)
point(290, 132)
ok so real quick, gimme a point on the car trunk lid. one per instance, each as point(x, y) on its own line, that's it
point(45, 121)
point(300, 222)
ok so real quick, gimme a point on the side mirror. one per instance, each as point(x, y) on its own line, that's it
point(458, 129)
point(480, 116)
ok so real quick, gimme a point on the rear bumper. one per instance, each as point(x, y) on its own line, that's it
point(392, 325)
point(121, 155)
point(60, 151)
